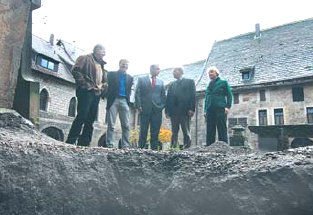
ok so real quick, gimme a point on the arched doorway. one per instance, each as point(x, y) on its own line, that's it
point(54, 133)
point(301, 142)
point(72, 107)
point(102, 141)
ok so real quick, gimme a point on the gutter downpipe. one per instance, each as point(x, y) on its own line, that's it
point(198, 81)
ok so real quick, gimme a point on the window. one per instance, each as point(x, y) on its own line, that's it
point(232, 122)
point(44, 96)
point(43, 63)
point(72, 107)
point(262, 117)
point(50, 65)
point(243, 122)
point(236, 98)
point(279, 116)
point(237, 121)
point(309, 113)
point(247, 73)
point(297, 94)
point(46, 63)
point(262, 95)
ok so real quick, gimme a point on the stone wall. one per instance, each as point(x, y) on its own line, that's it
point(60, 93)
point(13, 23)
point(248, 107)
point(276, 97)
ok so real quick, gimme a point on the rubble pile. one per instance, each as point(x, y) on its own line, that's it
point(39, 175)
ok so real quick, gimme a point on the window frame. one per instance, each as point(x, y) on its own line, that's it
point(309, 115)
point(262, 119)
point(43, 101)
point(279, 116)
point(262, 94)
point(236, 98)
point(246, 75)
point(47, 63)
point(297, 94)
point(72, 108)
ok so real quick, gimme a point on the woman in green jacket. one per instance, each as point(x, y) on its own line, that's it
point(218, 100)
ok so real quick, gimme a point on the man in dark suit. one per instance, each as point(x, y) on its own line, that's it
point(118, 94)
point(218, 100)
point(150, 101)
point(180, 106)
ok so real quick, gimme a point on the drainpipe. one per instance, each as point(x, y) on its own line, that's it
point(197, 101)
point(197, 82)
point(205, 65)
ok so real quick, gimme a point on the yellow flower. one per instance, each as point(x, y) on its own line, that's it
point(134, 136)
point(165, 136)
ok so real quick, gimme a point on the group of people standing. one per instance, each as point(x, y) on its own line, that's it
point(94, 82)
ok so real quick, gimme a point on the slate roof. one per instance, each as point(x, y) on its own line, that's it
point(62, 52)
point(281, 53)
point(192, 71)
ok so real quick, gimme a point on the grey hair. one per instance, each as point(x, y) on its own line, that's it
point(97, 48)
point(153, 67)
point(123, 61)
point(179, 68)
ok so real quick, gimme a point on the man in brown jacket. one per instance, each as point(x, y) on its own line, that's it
point(91, 82)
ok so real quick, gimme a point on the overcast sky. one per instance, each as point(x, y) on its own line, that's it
point(168, 32)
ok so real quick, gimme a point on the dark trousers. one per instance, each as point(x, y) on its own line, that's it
point(216, 119)
point(154, 119)
point(87, 109)
point(183, 121)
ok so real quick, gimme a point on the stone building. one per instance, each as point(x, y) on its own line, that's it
point(15, 27)
point(51, 68)
point(271, 74)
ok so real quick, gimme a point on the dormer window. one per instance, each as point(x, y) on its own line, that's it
point(247, 73)
point(47, 63)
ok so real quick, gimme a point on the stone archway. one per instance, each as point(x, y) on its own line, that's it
point(54, 133)
point(102, 141)
point(301, 142)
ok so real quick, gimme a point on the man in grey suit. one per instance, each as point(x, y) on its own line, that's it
point(180, 106)
point(150, 100)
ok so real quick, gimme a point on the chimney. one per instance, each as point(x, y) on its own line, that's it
point(51, 39)
point(257, 31)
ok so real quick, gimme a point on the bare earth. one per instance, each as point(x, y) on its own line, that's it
point(39, 175)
